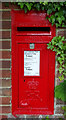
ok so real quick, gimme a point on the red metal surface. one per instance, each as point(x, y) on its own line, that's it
point(32, 94)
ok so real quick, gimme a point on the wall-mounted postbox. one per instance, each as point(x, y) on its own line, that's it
point(33, 65)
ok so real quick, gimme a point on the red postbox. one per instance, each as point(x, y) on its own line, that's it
point(33, 65)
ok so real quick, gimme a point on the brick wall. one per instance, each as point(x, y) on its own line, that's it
point(5, 66)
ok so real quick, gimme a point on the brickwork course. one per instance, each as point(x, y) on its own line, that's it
point(5, 67)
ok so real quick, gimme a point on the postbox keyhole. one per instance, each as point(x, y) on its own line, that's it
point(24, 80)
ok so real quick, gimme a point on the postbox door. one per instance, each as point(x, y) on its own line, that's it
point(34, 78)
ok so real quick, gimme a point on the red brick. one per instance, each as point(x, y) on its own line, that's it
point(1, 31)
point(0, 14)
point(5, 82)
point(5, 109)
point(5, 91)
point(57, 117)
point(57, 74)
point(4, 64)
point(61, 33)
point(0, 35)
point(58, 65)
point(5, 54)
point(4, 44)
point(0, 64)
point(1, 54)
point(5, 24)
point(3, 117)
point(9, 116)
point(59, 110)
point(11, 6)
point(0, 5)
point(59, 101)
point(0, 73)
point(0, 44)
point(4, 34)
point(6, 15)
point(5, 73)
point(5, 100)
point(1, 26)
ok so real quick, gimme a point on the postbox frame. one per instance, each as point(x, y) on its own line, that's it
point(40, 17)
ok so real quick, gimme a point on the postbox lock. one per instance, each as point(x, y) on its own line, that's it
point(24, 80)
point(32, 45)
